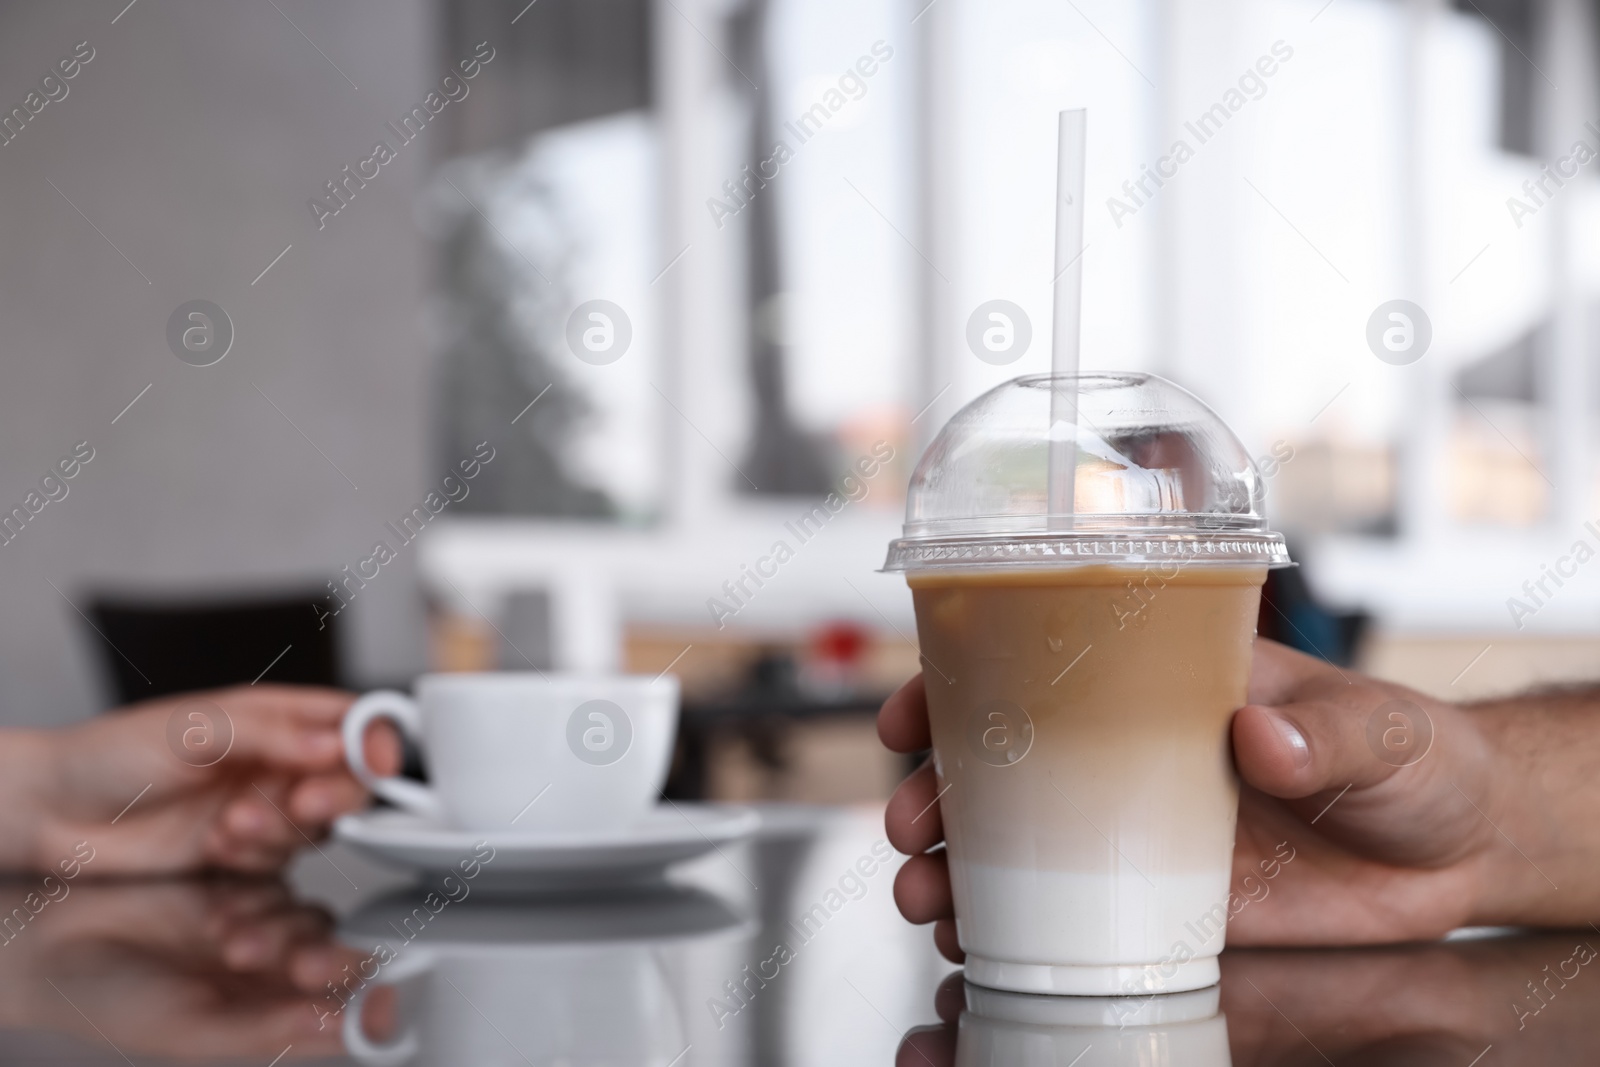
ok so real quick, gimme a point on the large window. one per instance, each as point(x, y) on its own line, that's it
point(851, 206)
point(547, 213)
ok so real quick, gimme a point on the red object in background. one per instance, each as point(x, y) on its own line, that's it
point(833, 661)
point(839, 643)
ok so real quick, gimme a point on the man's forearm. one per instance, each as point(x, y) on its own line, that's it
point(1545, 809)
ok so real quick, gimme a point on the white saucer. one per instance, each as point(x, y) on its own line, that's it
point(545, 861)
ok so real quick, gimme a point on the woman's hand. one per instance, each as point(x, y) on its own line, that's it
point(234, 779)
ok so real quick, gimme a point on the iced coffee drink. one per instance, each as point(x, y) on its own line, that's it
point(1081, 672)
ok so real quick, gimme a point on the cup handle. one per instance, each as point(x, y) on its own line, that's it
point(393, 1053)
point(404, 713)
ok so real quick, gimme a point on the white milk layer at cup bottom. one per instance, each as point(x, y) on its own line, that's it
point(1095, 933)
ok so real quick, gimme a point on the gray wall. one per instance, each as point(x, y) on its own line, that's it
point(193, 140)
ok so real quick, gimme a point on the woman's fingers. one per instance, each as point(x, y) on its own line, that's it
point(278, 736)
point(312, 705)
point(381, 745)
point(922, 888)
point(912, 818)
point(287, 812)
point(903, 719)
point(316, 801)
point(256, 818)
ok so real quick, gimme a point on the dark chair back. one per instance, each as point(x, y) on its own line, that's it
point(1291, 615)
point(151, 647)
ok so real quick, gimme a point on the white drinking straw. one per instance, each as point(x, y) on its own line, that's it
point(1066, 316)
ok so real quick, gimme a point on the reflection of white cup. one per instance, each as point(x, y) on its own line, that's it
point(1024, 1029)
point(523, 751)
point(569, 981)
point(553, 1004)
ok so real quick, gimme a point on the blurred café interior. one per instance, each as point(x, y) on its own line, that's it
point(780, 332)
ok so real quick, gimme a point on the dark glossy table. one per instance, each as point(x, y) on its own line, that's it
point(783, 950)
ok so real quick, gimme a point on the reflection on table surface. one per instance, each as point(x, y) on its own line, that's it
point(1489, 1001)
point(784, 950)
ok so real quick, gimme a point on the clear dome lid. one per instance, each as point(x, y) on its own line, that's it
point(1048, 470)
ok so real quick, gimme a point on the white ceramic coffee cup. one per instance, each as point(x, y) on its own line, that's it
point(519, 751)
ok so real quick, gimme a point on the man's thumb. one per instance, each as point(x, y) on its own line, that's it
point(1296, 750)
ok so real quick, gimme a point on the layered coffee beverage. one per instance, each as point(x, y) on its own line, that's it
point(1085, 556)
point(1080, 727)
